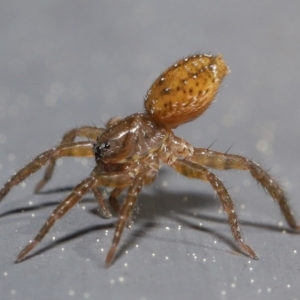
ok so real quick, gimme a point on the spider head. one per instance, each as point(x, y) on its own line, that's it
point(129, 140)
point(99, 149)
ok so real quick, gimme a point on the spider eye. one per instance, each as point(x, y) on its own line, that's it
point(98, 148)
point(105, 145)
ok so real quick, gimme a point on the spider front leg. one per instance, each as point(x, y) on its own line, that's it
point(125, 213)
point(195, 171)
point(89, 132)
point(127, 207)
point(104, 210)
point(59, 211)
point(113, 201)
point(90, 183)
point(72, 149)
point(221, 161)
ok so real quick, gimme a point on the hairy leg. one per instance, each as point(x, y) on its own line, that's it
point(194, 171)
point(113, 201)
point(82, 188)
point(127, 207)
point(104, 210)
point(59, 211)
point(221, 161)
point(72, 149)
point(124, 216)
point(89, 132)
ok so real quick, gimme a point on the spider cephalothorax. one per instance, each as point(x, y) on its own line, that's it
point(129, 151)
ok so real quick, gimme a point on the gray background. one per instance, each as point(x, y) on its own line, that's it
point(70, 63)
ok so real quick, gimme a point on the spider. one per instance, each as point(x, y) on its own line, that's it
point(128, 152)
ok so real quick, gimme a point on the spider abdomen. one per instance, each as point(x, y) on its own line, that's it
point(185, 90)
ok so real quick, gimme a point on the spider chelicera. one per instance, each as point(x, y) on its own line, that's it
point(130, 151)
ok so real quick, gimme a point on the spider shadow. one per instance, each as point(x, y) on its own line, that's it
point(70, 237)
point(152, 208)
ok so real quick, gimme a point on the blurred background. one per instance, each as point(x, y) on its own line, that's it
point(73, 63)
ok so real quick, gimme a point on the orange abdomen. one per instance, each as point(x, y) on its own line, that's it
point(185, 90)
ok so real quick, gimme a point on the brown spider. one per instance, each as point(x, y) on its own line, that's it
point(129, 151)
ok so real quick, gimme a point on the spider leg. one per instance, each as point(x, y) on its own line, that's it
point(59, 211)
point(113, 201)
point(126, 209)
point(125, 213)
point(72, 149)
point(113, 180)
point(195, 171)
point(104, 210)
point(221, 161)
point(89, 132)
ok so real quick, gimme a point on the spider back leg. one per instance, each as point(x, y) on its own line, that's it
point(113, 201)
point(195, 171)
point(221, 161)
